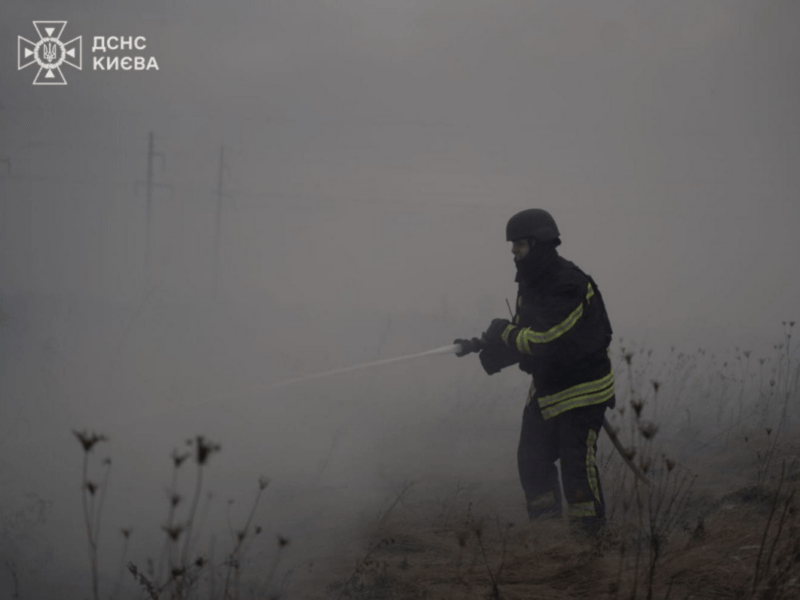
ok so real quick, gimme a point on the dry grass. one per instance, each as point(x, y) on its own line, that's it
point(715, 558)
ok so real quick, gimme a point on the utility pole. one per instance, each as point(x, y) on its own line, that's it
point(151, 154)
point(218, 221)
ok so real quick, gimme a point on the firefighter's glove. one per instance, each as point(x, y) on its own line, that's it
point(498, 332)
point(468, 346)
point(496, 357)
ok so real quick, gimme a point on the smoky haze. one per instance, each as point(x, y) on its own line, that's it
point(373, 152)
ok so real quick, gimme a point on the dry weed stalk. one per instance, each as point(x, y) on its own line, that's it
point(233, 562)
point(12, 569)
point(494, 577)
point(91, 503)
point(762, 569)
point(658, 505)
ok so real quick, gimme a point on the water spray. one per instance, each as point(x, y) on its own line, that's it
point(451, 349)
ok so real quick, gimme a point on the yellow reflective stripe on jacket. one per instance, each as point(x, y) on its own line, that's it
point(577, 390)
point(527, 336)
point(542, 337)
point(581, 509)
point(579, 402)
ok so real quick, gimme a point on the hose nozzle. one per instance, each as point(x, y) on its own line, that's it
point(468, 346)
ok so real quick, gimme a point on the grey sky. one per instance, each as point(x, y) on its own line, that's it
point(375, 150)
point(662, 135)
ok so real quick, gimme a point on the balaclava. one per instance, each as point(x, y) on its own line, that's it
point(540, 256)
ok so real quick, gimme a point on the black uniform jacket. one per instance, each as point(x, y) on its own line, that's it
point(561, 334)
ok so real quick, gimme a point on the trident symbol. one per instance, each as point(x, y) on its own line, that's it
point(49, 52)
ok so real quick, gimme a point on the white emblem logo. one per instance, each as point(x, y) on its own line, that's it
point(49, 53)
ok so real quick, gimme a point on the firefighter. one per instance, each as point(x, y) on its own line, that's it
point(560, 335)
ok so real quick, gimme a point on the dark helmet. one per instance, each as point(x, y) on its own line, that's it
point(532, 223)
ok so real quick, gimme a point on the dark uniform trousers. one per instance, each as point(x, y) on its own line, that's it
point(572, 438)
